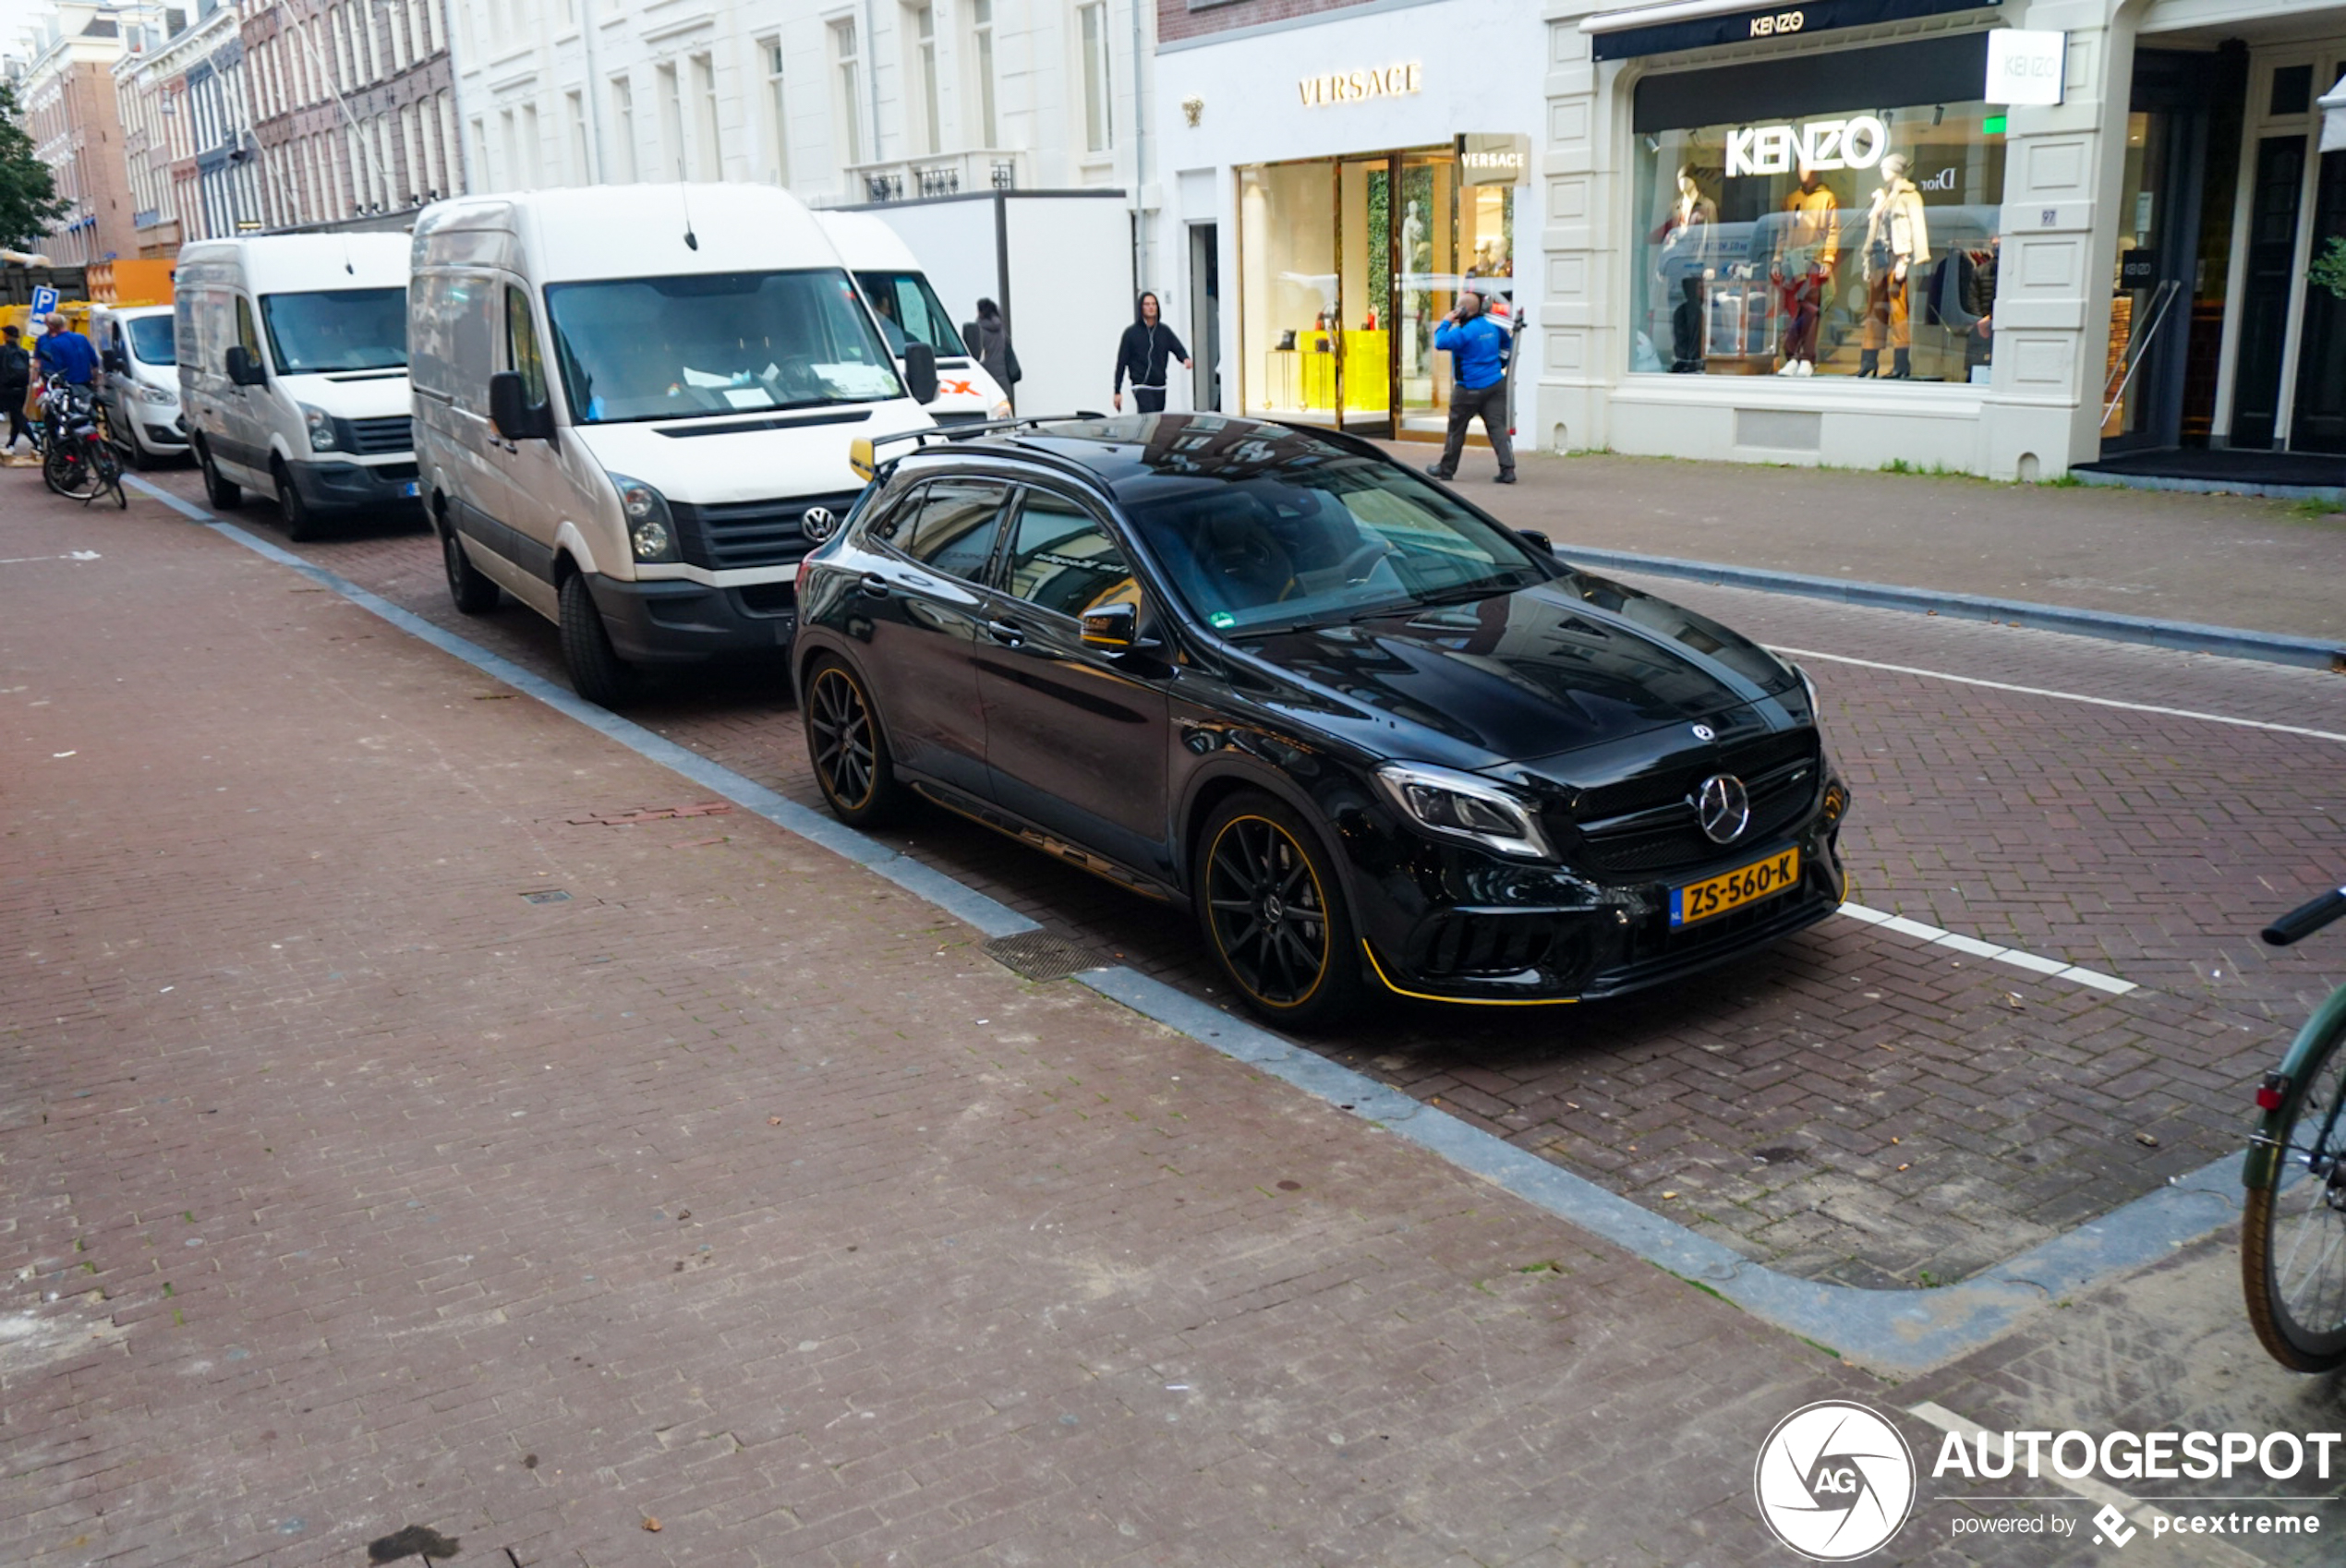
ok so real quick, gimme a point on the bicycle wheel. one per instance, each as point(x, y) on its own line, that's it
point(2293, 1226)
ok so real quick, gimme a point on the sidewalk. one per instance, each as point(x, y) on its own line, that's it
point(387, 1139)
point(2214, 559)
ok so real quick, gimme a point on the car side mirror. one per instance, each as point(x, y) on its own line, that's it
point(919, 372)
point(244, 368)
point(1538, 540)
point(114, 362)
point(1112, 628)
point(516, 419)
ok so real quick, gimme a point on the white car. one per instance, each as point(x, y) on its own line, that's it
point(142, 394)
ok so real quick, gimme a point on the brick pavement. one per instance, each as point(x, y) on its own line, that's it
point(1779, 1100)
point(351, 1183)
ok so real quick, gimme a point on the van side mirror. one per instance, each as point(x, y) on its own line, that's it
point(516, 419)
point(244, 368)
point(919, 372)
point(114, 362)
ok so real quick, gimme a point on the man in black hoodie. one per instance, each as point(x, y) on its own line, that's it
point(1148, 344)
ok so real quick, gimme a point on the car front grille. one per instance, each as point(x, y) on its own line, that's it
point(395, 433)
point(1648, 827)
point(739, 534)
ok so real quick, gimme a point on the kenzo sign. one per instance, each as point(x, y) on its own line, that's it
point(1855, 143)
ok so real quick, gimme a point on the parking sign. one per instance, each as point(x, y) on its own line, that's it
point(44, 299)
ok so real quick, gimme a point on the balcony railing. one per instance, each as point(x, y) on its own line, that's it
point(915, 179)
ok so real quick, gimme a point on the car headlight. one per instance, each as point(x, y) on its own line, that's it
point(321, 426)
point(162, 397)
point(651, 532)
point(1463, 806)
point(1001, 409)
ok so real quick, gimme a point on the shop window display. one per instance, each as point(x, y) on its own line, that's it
point(1849, 241)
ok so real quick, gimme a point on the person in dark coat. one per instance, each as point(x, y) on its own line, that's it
point(988, 338)
point(16, 384)
point(1149, 345)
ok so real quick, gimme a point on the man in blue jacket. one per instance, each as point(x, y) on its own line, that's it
point(1478, 347)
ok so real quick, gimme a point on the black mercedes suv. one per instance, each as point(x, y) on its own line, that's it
point(1375, 740)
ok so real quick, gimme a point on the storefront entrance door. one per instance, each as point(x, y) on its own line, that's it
point(2319, 423)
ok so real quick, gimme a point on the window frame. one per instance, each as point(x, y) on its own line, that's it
point(882, 532)
point(998, 573)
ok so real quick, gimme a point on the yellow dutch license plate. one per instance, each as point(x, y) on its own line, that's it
point(1734, 889)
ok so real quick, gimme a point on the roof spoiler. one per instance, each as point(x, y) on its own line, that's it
point(863, 453)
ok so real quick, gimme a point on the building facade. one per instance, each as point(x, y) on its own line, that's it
point(871, 102)
point(140, 97)
point(66, 92)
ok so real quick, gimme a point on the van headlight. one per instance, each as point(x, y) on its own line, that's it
point(321, 426)
point(1461, 805)
point(651, 532)
point(162, 397)
point(1002, 409)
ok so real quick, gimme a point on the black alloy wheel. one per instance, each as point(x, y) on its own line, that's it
point(473, 591)
point(1273, 913)
point(225, 495)
point(848, 748)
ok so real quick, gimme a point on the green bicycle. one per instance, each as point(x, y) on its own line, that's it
point(2293, 1225)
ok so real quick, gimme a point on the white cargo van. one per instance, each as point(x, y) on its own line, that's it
point(293, 367)
point(142, 394)
point(629, 402)
point(898, 293)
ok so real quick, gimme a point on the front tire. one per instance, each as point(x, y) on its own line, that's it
point(2292, 1244)
point(225, 495)
point(471, 590)
point(597, 673)
point(1274, 913)
point(848, 746)
point(300, 517)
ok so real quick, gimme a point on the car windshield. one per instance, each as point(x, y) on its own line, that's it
point(718, 342)
point(336, 329)
point(1290, 546)
point(909, 311)
point(150, 339)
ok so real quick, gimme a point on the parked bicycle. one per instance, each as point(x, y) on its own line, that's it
point(2293, 1226)
point(78, 456)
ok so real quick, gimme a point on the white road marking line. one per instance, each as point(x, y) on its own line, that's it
point(1990, 950)
point(2145, 1515)
point(71, 555)
point(2068, 696)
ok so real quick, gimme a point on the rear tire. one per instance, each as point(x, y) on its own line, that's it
point(300, 517)
point(1274, 913)
point(473, 591)
point(848, 746)
point(2292, 1244)
point(597, 673)
point(223, 495)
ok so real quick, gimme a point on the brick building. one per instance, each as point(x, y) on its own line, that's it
point(67, 90)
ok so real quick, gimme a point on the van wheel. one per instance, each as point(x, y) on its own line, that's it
point(597, 673)
point(300, 517)
point(473, 591)
point(223, 495)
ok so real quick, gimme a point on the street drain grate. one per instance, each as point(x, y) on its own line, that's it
point(547, 896)
point(1039, 956)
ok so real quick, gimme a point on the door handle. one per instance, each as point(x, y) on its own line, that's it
point(874, 586)
point(1006, 633)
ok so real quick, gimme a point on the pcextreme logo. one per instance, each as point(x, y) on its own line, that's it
point(1835, 1480)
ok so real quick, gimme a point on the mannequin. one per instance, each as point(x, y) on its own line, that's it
point(1687, 241)
point(1897, 242)
point(1802, 268)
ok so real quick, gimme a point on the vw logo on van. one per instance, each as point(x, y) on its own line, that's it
point(817, 522)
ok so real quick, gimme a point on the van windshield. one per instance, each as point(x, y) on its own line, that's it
point(718, 342)
point(150, 339)
point(909, 312)
point(336, 329)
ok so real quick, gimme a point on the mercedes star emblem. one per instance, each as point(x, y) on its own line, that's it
point(817, 522)
point(1704, 733)
point(1723, 808)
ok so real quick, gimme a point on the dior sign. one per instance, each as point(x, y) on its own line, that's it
point(1855, 143)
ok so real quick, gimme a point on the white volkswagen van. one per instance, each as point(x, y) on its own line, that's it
point(293, 370)
point(628, 401)
point(898, 293)
point(142, 394)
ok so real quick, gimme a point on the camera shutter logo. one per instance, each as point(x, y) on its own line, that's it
point(1834, 1481)
point(2111, 1527)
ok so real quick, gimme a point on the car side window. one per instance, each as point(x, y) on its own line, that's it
point(952, 525)
point(1063, 558)
point(521, 346)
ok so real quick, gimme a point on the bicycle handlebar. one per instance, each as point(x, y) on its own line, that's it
point(2306, 918)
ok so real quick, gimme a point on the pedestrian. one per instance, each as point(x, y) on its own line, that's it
point(1148, 347)
point(1479, 349)
point(16, 386)
point(988, 338)
point(64, 352)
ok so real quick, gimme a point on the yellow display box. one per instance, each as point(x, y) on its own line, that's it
point(1367, 388)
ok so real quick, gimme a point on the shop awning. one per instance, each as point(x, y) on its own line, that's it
point(1705, 24)
point(2333, 107)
